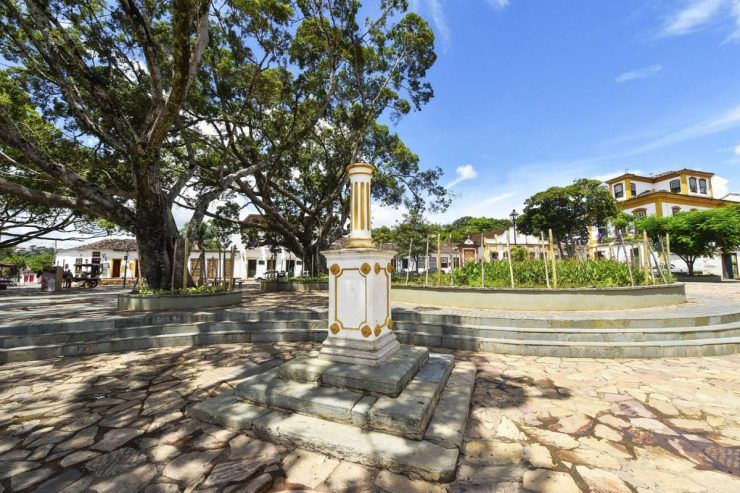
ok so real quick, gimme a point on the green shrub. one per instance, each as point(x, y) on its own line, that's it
point(147, 291)
point(530, 273)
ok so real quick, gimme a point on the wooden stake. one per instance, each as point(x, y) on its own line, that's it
point(426, 266)
point(231, 277)
point(511, 267)
point(668, 251)
point(452, 264)
point(185, 266)
point(408, 264)
point(439, 259)
point(645, 257)
point(544, 258)
point(552, 259)
point(174, 264)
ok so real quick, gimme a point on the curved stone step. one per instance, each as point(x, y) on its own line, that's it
point(686, 317)
point(574, 334)
point(113, 345)
point(645, 349)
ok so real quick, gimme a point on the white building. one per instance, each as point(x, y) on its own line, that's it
point(118, 259)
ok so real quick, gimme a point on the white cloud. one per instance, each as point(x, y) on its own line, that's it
point(735, 36)
point(737, 149)
point(696, 13)
point(499, 4)
point(464, 173)
point(642, 73)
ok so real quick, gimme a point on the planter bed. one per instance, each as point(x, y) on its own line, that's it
point(528, 299)
point(293, 286)
point(159, 303)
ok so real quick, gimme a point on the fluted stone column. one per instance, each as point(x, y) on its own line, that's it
point(360, 325)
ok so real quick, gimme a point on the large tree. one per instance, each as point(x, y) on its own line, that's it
point(569, 211)
point(696, 234)
point(299, 91)
point(89, 114)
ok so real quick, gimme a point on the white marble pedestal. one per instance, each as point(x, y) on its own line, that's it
point(360, 325)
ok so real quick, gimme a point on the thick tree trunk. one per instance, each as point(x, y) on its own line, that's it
point(156, 233)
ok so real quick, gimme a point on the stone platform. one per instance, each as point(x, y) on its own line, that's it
point(408, 415)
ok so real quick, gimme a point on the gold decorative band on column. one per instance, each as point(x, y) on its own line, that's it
point(377, 330)
point(335, 269)
point(389, 268)
point(366, 331)
point(365, 268)
point(334, 328)
point(389, 324)
point(363, 226)
point(378, 268)
point(355, 190)
point(367, 206)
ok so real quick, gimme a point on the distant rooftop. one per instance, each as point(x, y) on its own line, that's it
point(659, 176)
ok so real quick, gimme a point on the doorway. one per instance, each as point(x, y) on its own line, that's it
point(115, 267)
point(251, 268)
point(729, 264)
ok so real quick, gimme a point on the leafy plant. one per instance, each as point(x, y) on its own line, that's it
point(147, 291)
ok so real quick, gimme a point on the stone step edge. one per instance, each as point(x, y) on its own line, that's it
point(400, 324)
point(538, 342)
point(160, 326)
point(438, 319)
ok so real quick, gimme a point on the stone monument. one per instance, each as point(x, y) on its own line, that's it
point(362, 397)
point(360, 325)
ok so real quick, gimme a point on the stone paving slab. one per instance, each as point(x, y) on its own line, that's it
point(596, 421)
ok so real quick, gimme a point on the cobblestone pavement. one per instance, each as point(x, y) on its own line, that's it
point(116, 423)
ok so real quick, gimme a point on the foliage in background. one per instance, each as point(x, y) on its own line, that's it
point(34, 260)
point(145, 290)
point(519, 254)
point(569, 211)
point(530, 273)
point(695, 234)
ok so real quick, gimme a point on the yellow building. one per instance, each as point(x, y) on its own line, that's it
point(666, 194)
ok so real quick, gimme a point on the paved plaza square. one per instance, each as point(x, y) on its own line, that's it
point(120, 422)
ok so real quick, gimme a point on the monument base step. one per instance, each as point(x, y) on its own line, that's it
point(381, 407)
point(388, 379)
point(433, 457)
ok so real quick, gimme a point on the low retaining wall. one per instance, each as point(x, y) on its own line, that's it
point(696, 278)
point(160, 303)
point(576, 299)
point(293, 286)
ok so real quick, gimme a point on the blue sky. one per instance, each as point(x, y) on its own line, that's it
point(531, 94)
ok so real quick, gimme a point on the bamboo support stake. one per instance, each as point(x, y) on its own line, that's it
point(185, 265)
point(174, 265)
point(439, 259)
point(426, 266)
point(483, 272)
point(668, 251)
point(552, 259)
point(452, 265)
point(511, 267)
point(408, 264)
point(231, 277)
point(645, 258)
point(544, 258)
point(627, 258)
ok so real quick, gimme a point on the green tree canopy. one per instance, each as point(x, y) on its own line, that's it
point(569, 211)
point(696, 234)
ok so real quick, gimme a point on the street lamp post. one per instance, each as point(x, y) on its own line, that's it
point(514, 214)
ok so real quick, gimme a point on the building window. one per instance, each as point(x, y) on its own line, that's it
point(675, 186)
point(675, 210)
point(633, 190)
point(618, 191)
point(639, 213)
point(692, 184)
point(703, 186)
